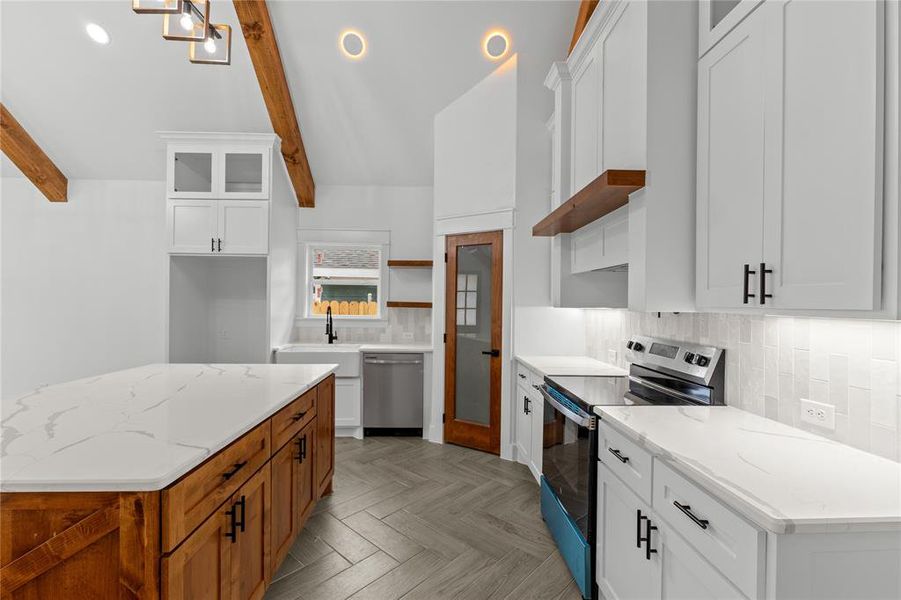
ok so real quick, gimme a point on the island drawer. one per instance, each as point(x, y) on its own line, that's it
point(629, 461)
point(730, 543)
point(288, 422)
point(189, 501)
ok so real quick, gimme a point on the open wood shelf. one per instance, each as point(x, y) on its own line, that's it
point(410, 264)
point(600, 197)
point(393, 304)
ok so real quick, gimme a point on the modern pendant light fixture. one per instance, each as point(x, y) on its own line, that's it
point(189, 21)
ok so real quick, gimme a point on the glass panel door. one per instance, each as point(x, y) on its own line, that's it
point(193, 173)
point(473, 363)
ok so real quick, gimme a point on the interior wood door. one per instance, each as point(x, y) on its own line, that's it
point(200, 568)
point(731, 150)
point(824, 87)
point(250, 565)
point(324, 456)
point(285, 519)
point(472, 374)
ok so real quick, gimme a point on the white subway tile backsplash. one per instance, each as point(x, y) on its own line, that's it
point(404, 326)
point(773, 362)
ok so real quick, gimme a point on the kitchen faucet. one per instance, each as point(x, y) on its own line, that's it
point(330, 326)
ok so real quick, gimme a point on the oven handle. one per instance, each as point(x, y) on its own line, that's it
point(582, 420)
point(662, 389)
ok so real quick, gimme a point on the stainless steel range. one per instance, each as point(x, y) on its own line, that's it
point(661, 372)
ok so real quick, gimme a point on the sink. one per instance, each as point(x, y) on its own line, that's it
point(346, 356)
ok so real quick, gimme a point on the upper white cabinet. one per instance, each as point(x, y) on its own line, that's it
point(218, 226)
point(218, 166)
point(790, 159)
point(602, 244)
point(716, 18)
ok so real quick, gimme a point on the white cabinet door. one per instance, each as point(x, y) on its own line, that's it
point(244, 226)
point(348, 402)
point(537, 451)
point(586, 108)
point(623, 569)
point(244, 172)
point(602, 244)
point(684, 574)
point(730, 164)
point(824, 88)
point(192, 226)
point(523, 406)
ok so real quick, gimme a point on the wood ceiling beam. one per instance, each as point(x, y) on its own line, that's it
point(31, 160)
point(586, 8)
point(259, 35)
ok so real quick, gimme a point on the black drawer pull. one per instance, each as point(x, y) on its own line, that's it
point(298, 416)
point(686, 510)
point(237, 467)
point(525, 405)
point(521, 376)
point(618, 455)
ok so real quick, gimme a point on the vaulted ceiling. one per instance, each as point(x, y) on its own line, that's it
point(95, 109)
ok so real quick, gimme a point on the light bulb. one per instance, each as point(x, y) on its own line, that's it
point(186, 23)
point(210, 45)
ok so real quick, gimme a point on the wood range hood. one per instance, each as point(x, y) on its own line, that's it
point(602, 196)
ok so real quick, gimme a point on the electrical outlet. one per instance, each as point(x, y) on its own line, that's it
point(611, 357)
point(407, 336)
point(818, 413)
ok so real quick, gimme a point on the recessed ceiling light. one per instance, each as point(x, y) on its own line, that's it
point(352, 44)
point(496, 44)
point(97, 33)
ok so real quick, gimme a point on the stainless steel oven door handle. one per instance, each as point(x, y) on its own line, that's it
point(662, 389)
point(581, 419)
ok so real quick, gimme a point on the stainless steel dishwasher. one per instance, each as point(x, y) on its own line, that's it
point(392, 394)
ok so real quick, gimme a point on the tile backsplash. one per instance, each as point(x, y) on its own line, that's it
point(404, 326)
point(774, 362)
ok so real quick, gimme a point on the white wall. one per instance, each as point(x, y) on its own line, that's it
point(475, 147)
point(82, 282)
point(405, 212)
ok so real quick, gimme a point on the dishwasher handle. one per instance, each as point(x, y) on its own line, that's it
point(382, 361)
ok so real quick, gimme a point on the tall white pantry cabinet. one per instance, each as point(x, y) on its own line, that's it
point(231, 232)
point(797, 176)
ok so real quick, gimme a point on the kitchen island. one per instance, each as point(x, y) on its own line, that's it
point(162, 480)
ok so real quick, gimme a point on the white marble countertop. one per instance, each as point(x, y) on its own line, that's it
point(783, 479)
point(139, 429)
point(399, 348)
point(571, 365)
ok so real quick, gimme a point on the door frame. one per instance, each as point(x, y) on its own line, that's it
point(472, 435)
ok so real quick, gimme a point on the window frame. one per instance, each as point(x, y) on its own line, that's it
point(306, 313)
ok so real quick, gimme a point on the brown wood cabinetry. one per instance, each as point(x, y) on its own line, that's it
point(219, 532)
point(325, 436)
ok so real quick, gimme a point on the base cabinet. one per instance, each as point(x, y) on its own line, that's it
point(115, 545)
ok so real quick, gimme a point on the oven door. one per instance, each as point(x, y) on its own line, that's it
point(567, 436)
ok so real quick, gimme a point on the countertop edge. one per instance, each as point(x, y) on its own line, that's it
point(527, 361)
point(740, 505)
point(388, 348)
point(163, 481)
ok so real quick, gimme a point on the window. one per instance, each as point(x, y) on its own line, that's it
point(346, 277)
point(467, 299)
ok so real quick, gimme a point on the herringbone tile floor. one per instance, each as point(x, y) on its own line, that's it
point(414, 520)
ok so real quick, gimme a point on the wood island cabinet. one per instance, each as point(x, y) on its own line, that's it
point(218, 532)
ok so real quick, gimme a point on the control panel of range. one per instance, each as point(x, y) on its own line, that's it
point(691, 359)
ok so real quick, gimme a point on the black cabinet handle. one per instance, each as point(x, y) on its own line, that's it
point(232, 533)
point(219, 241)
point(648, 551)
point(639, 518)
point(303, 448)
point(299, 457)
point(746, 292)
point(618, 455)
point(243, 504)
point(493, 352)
point(521, 376)
point(763, 273)
point(298, 416)
point(686, 510)
point(237, 467)
point(212, 244)
point(525, 405)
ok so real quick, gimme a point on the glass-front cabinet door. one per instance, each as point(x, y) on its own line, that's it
point(244, 173)
point(191, 172)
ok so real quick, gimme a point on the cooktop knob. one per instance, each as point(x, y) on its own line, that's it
point(630, 344)
point(689, 357)
point(637, 347)
point(702, 361)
